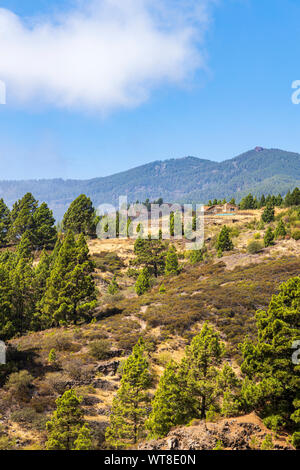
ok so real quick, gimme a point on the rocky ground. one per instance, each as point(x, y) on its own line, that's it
point(243, 433)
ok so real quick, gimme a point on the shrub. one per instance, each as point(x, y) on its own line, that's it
point(61, 342)
point(296, 235)
point(257, 236)
point(19, 385)
point(254, 247)
point(162, 289)
point(100, 349)
point(30, 417)
point(274, 422)
point(6, 443)
point(267, 443)
point(268, 214)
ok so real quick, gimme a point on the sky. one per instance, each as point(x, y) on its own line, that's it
point(96, 87)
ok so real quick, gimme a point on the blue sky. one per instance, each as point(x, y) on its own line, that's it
point(228, 91)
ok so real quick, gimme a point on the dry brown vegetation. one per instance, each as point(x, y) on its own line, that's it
point(226, 292)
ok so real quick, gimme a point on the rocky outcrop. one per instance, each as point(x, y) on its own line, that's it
point(243, 433)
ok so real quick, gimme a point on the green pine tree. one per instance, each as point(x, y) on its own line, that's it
point(273, 380)
point(70, 293)
point(143, 282)
point(21, 279)
point(199, 366)
point(8, 326)
point(196, 256)
point(81, 217)
point(172, 223)
point(66, 424)
point(172, 404)
point(268, 214)
point(269, 238)
point(130, 405)
point(280, 231)
point(45, 233)
point(22, 217)
point(172, 266)
point(4, 223)
point(84, 439)
point(224, 242)
point(150, 254)
point(113, 287)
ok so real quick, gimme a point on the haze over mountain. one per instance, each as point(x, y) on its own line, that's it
point(188, 179)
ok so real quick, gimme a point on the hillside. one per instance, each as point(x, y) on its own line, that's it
point(90, 356)
point(176, 180)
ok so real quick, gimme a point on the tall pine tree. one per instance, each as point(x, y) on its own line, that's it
point(130, 405)
point(70, 292)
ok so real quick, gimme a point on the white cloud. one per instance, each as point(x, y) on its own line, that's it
point(104, 54)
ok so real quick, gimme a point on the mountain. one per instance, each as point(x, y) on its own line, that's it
point(188, 179)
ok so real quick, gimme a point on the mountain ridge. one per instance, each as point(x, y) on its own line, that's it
point(186, 179)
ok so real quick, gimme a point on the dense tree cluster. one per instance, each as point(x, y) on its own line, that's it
point(59, 289)
point(252, 202)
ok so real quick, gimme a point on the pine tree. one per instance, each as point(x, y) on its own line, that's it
point(172, 404)
point(21, 278)
point(247, 202)
point(150, 254)
point(130, 405)
point(143, 282)
point(113, 287)
point(22, 217)
point(228, 385)
point(45, 233)
point(7, 324)
point(196, 256)
point(262, 201)
point(199, 367)
point(66, 424)
point(269, 238)
point(84, 439)
point(280, 231)
point(268, 214)
point(171, 262)
point(279, 200)
point(52, 358)
point(4, 223)
point(81, 217)
point(41, 274)
point(224, 242)
point(172, 224)
point(70, 293)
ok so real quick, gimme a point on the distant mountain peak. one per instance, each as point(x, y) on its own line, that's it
point(259, 149)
